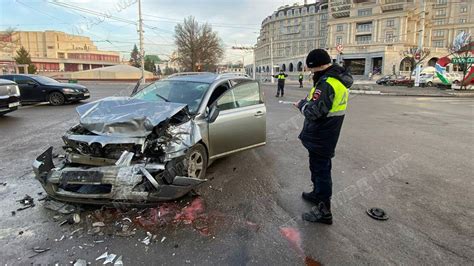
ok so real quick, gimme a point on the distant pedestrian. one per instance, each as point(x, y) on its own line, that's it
point(300, 79)
point(324, 110)
point(281, 83)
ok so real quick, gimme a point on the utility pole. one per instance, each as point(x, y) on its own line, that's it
point(252, 49)
point(271, 58)
point(140, 30)
point(420, 40)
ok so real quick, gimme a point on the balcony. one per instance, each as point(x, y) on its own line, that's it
point(392, 5)
point(341, 8)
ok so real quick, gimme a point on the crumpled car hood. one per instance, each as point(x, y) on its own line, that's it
point(125, 116)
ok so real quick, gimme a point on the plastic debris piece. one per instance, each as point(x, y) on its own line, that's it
point(80, 262)
point(119, 261)
point(110, 258)
point(163, 239)
point(377, 214)
point(60, 207)
point(98, 224)
point(103, 256)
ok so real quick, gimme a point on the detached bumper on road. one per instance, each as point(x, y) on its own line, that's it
point(109, 184)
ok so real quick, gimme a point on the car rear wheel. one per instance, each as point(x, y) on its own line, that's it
point(56, 98)
point(196, 161)
point(429, 84)
point(456, 82)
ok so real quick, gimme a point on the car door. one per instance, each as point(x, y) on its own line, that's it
point(28, 88)
point(241, 123)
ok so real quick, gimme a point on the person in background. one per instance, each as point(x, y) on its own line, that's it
point(300, 79)
point(281, 83)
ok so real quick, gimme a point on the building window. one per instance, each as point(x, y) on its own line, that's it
point(463, 9)
point(339, 40)
point(440, 21)
point(438, 44)
point(438, 33)
point(365, 12)
point(390, 23)
point(389, 36)
point(364, 27)
point(339, 28)
point(363, 39)
point(441, 12)
point(311, 26)
point(463, 21)
point(441, 2)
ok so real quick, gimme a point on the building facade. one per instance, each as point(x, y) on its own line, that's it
point(375, 33)
point(287, 35)
point(54, 51)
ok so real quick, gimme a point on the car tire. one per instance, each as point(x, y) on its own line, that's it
point(456, 82)
point(196, 161)
point(56, 98)
point(429, 84)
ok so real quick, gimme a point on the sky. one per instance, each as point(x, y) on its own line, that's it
point(237, 22)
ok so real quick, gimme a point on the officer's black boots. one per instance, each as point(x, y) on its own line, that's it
point(311, 197)
point(320, 213)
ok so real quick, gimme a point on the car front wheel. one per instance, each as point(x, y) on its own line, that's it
point(196, 161)
point(429, 84)
point(56, 98)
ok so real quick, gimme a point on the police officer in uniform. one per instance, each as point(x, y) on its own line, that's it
point(300, 79)
point(281, 83)
point(324, 110)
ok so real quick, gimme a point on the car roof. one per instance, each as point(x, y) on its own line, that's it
point(205, 77)
point(24, 75)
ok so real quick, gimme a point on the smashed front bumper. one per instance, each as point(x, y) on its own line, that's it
point(110, 184)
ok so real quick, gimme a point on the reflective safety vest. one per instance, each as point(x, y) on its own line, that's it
point(300, 76)
point(281, 76)
point(341, 96)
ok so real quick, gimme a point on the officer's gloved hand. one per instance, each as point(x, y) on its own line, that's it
point(300, 104)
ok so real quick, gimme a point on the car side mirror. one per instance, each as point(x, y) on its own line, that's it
point(213, 114)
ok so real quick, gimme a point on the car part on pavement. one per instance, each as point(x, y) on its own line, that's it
point(377, 214)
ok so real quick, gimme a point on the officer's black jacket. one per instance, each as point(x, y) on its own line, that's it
point(321, 133)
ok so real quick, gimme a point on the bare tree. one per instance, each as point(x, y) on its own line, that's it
point(8, 42)
point(199, 48)
point(416, 56)
point(462, 50)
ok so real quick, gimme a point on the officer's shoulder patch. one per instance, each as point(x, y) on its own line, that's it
point(316, 94)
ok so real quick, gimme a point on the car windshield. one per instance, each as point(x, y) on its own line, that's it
point(190, 93)
point(45, 80)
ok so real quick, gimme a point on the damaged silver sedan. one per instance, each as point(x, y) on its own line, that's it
point(156, 144)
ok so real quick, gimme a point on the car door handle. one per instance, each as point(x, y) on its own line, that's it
point(259, 113)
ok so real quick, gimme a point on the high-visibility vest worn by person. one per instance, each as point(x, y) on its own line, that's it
point(281, 76)
point(324, 110)
point(341, 97)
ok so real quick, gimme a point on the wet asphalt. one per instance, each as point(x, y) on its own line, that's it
point(410, 156)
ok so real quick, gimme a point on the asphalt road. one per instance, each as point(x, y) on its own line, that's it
point(411, 156)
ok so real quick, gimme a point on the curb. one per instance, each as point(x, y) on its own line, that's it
point(449, 95)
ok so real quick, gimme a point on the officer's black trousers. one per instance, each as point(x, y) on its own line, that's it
point(301, 83)
point(320, 168)
point(281, 89)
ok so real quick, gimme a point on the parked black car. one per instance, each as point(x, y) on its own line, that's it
point(35, 88)
point(383, 80)
point(9, 96)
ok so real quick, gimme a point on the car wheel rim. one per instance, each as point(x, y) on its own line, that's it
point(55, 98)
point(195, 164)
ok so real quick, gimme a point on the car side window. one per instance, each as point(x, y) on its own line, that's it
point(218, 91)
point(21, 80)
point(245, 94)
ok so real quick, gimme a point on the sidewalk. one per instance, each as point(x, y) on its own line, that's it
point(370, 88)
point(408, 91)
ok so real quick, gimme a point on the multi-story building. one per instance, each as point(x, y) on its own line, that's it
point(54, 51)
point(375, 33)
point(289, 33)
